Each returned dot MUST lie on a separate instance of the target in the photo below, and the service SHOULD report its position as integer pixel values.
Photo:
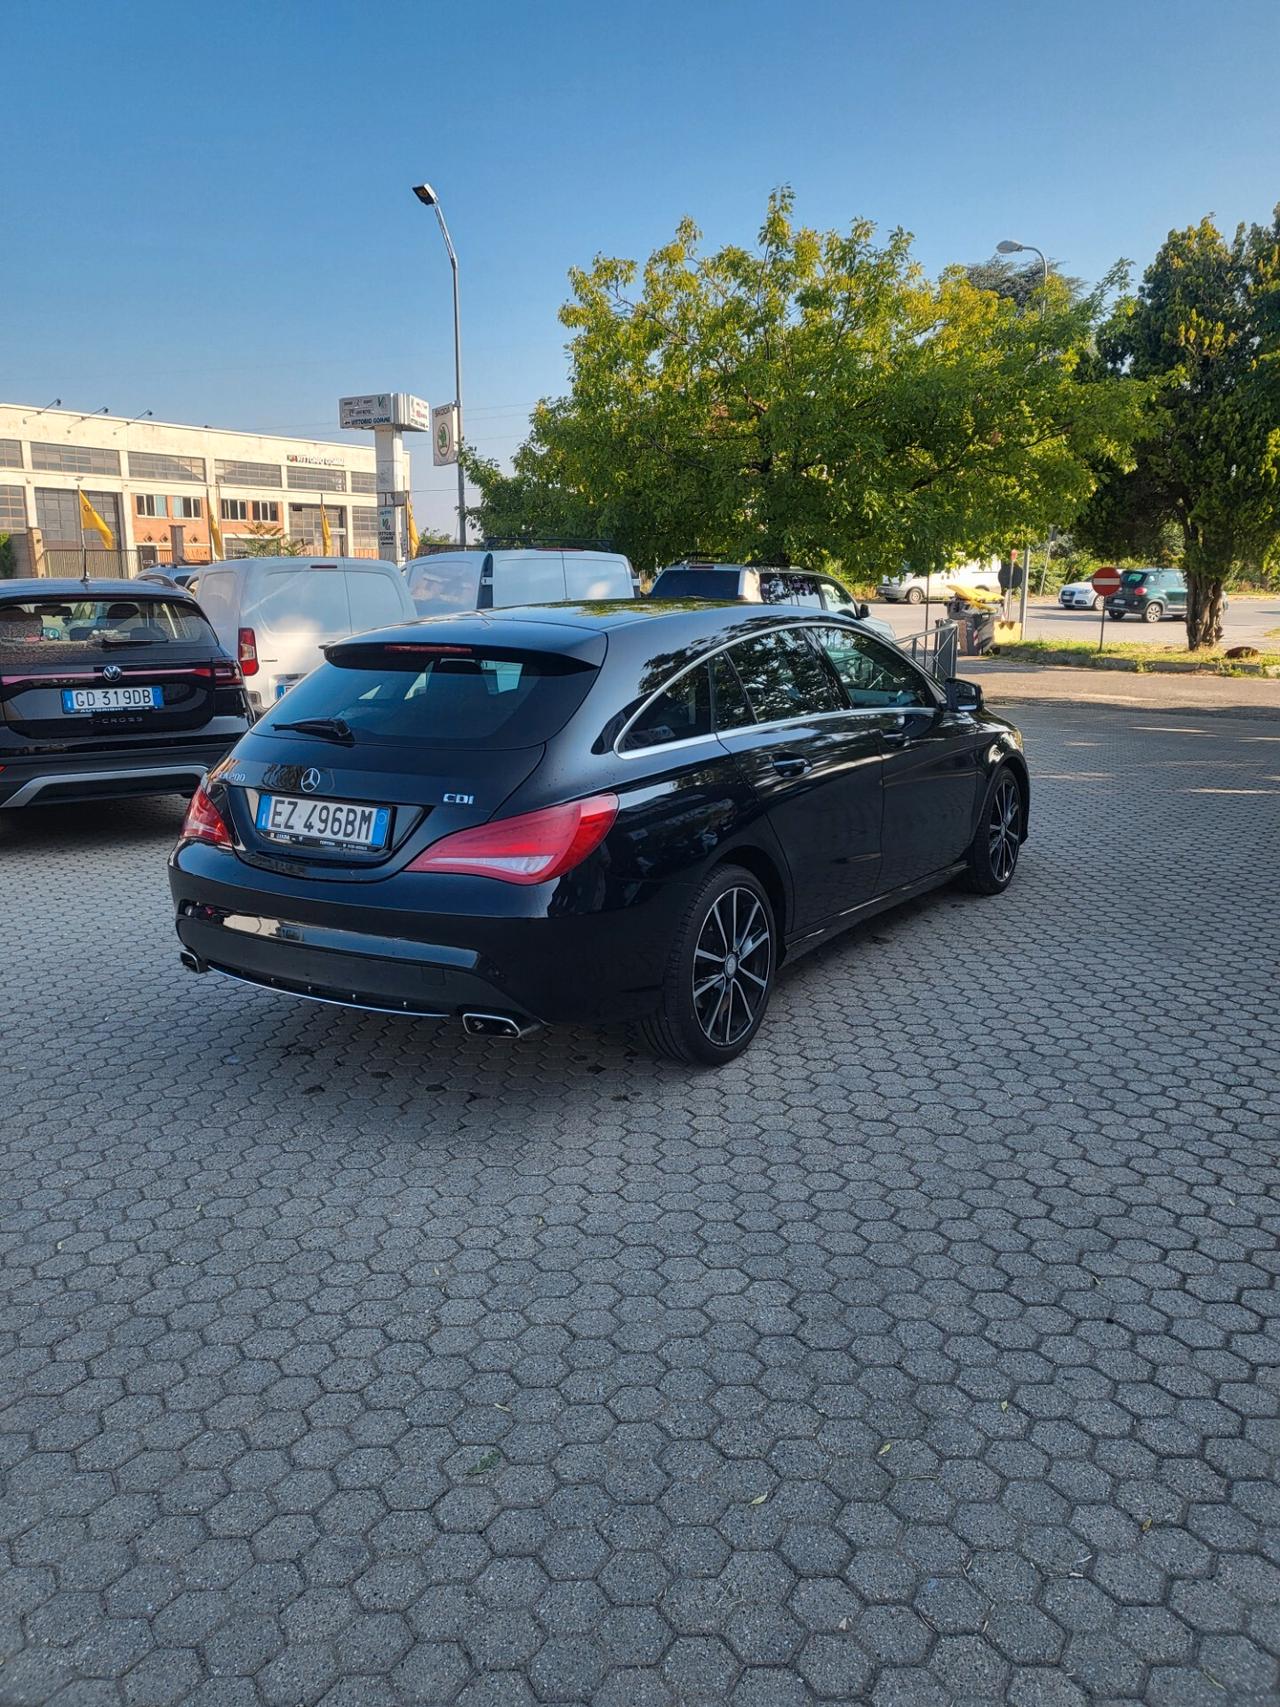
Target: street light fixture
(1008, 247)
(427, 196)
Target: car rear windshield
(49, 629)
(696, 584)
(1134, 577)
(459, 697)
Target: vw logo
(111, 672)
(310, 780)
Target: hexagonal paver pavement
(929, 1354)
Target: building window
(361, 482)
(265, 510)
(151, 465)
(249, 473)
(75, 459)
(364, 524)
(58, 518)
(305, 526)
(13, 510)
(10, 453)
(151, 504)
(235, 509)
(317, 479)
(188, 509)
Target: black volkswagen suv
(589, 813)
(110, 688)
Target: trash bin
(977, 631)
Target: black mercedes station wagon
(590, 813)
(110, 688)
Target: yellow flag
(413, 527)
(215, 532)
(326, 538)
(89, 518)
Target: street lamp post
(427, 196)
(1009, 247)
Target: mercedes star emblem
(311, 780)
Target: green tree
(1204, 488)
(1018, 282)
(263, 540)
(6, 556)
(816, 395)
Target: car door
(1174, 594)
(815, 765)
(930, 767)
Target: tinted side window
(872, 673)
(784, 676)
(681, 711)
(836, 596)
(732, 707)
(804, 591)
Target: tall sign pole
(389, 415)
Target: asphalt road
(927, 1356)
(1247, 624)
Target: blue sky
(207, 211)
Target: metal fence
(935, 649)
(70, 562)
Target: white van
(487, 580)
(275, 613)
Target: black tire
(915, 596)
(1153, 612)
(1117, 615)
(729, 910)
(993, 853)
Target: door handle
(895, 737)
(790, 764)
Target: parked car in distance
(1151, 594)
(595, 813)
(1079, 595)
(170, 577)
(276, 614)
(763, 586)
(491, 580)
(110, 688)
(912, 589)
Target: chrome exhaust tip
(192, 962)
(495, 1025)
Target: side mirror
(863, 612)
(963, 696)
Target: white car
(1079, 595)
(914, 589)
(276, 614)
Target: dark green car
(1150, 594)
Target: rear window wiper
(111, 640)
(327, 728)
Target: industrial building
(153, 483)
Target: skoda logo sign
(111, 672)
(311, 780)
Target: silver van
(275, 614)
(488, 580)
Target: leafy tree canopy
(1203, 334)
(814, 396)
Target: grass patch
(1084, 654)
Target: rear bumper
(63, 780)
(346, 943)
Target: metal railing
(934, 649)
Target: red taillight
(224, 670)
(204, 823)
(532, 848)
(248, 652)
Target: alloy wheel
(731, 966)
(1003, 825)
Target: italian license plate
(80, 702)
(322, 823)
